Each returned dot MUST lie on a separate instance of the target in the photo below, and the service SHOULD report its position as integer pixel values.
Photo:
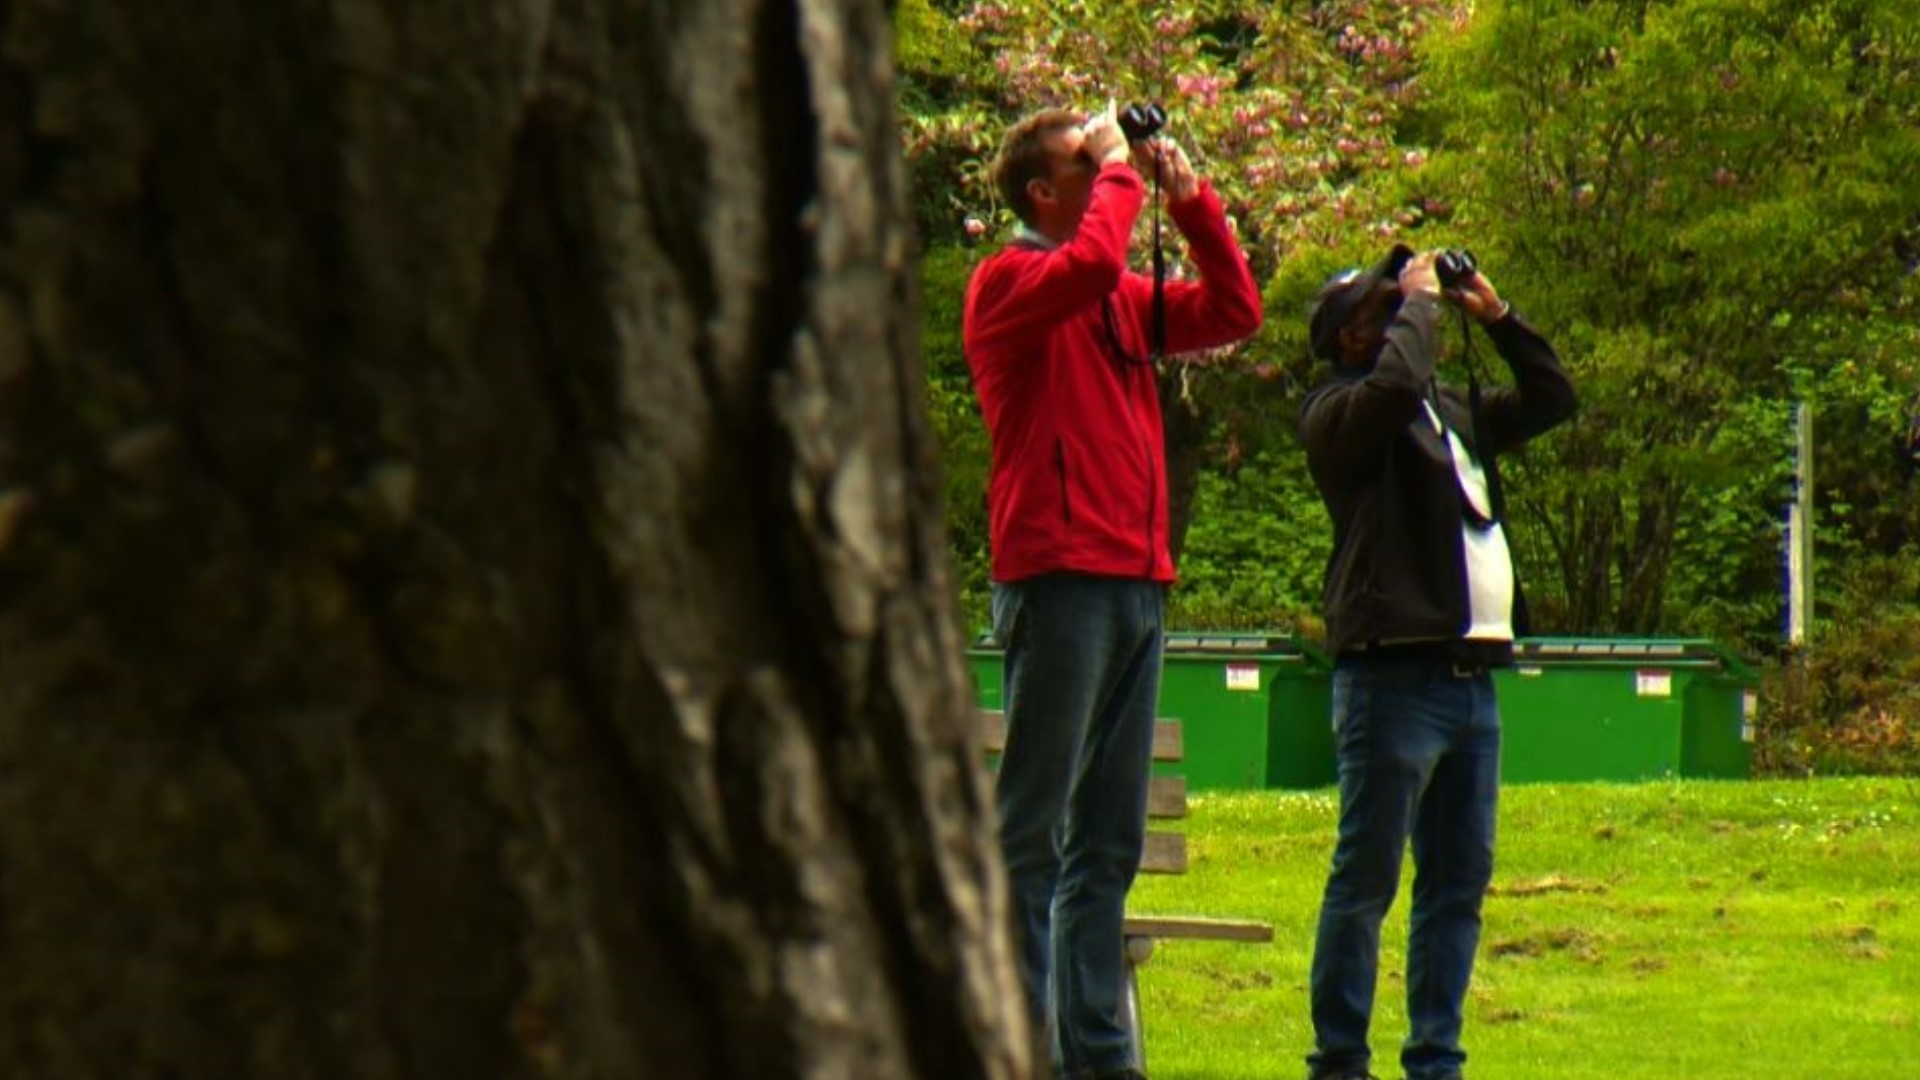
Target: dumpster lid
(1247, 643)
(1268, 644)
(1690, 651)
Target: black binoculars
(1142, 121)
(1455, 268)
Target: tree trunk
(472, 596)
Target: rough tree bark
(472, 597)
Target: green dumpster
(1253, 707)
(983, 661)
(1625, 709)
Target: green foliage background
(1710, 205)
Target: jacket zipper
(1145, 441)
(1060, 470)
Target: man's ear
(1040, 190)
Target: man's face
(1366, 328)
(1070, 172)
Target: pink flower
(975, 228)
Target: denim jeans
(1082, 685)
(1419, 758)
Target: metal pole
(1800, 532)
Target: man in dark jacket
(1057, 334)
(1421, 601)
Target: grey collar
(1026, 234)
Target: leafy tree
(1711, 203)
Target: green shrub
(1851, 704)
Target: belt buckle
(1466, 669)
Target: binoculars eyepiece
(1455, 268)
(1142, 121)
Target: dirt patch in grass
(1858, 942)
(1565, 939)
(1552, 883)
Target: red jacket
(1079, 474)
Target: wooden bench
(1165, 852)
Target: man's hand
(1104, 142)
(1418, 277)
(1164, 157)
(1480, 299)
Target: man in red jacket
(1058, 334)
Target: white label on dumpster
(1653, 682)
(1527, 671)
(1243, 676)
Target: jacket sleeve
(1541, 397)
(1031, 294)
(1350, 421)
(1224, 305)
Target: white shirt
(1489, 562)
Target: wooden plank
(993, 730)
(1167, 797)
(1168, 742)
(1165, 853)
(1196, 928)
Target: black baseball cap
(1333, 305)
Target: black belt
(1464, 659)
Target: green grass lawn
(1687, 930)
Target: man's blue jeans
(1082, 685)
(1419, 755)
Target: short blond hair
(1023, 157)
